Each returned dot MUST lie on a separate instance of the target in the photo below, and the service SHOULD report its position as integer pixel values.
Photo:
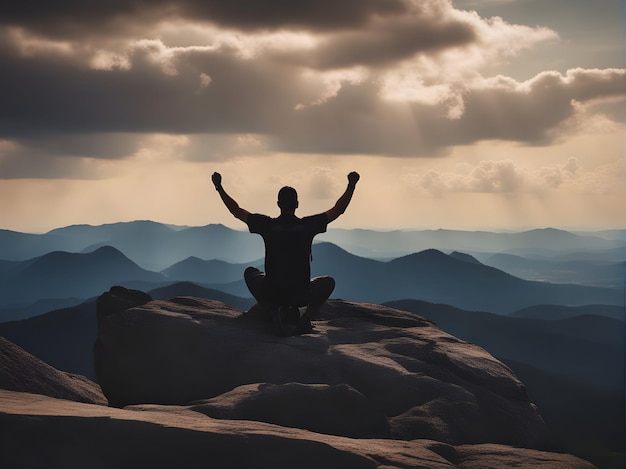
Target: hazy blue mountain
(191, 289)
(62, 338)
(58, 275)
(585, 420)
(156, 246)
(153, 246)
(609, 256)
(585, 272)
(439, 278)
(86, 235)
(430, 275)
(37, 308)
(7, 266)
(617, 235)
(208, 272)
(21, 246)
(464, 257)
(386, 244)
(554, 312)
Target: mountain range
(595, 271)
(59, 275)
(156, 246)
(153, 246)
(456, 279)
(545, 241)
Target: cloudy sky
(467, 114)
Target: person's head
(287, 199)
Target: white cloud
(509, 178)
(486, 177)
(554, 176)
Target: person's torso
(288, 241)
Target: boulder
(20, 371)
(118, 299)
(408, 379)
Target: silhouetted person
(286, 282)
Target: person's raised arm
(342, 203)
(232, 206)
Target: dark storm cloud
(389, 42)
(71, 18)
(61, 155)
(26, 166)
(42, 96)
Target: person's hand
(217, 179)
(353, 178)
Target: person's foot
(277, 321)
(283, 320)
(291, 315)
(304, 325)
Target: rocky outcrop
(322, 408)
(399, 374)
(119, 299)
(205, 385)
(20, 371)
(38, 431)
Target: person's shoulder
(258, 216)
(257, 220)
(317, 218)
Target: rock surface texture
(41, 432)
(368, 370)
(194, 383)
(20, 371)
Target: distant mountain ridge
(430, 275)
(156, 246)
(558, 312)
(213, 271)
(387, 244)
(58, 275)
(588, 272)
(433, 276)
(153, 246)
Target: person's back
(288, 240)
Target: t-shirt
(288, 241)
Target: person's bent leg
(254, 281)
(321, 289)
